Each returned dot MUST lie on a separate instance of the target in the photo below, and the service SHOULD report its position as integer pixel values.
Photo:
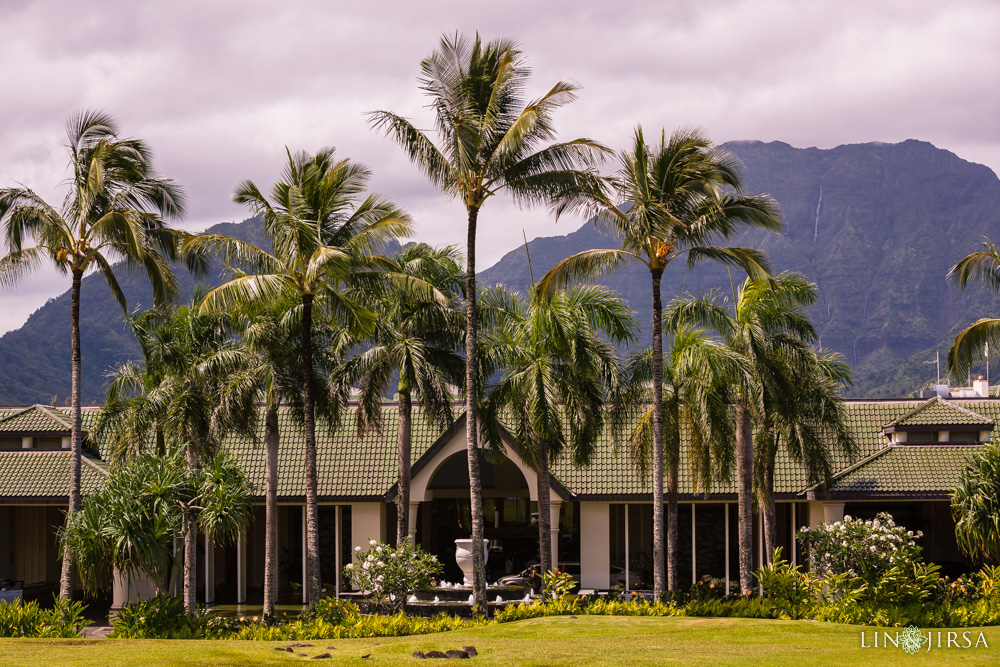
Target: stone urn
(463, 556)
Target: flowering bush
(28, 619)
(556, 584)
(791, 590)
(387, 575)
(865, 549)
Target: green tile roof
(35, 419)
(45, 474)
(906, 470)
(939, 412)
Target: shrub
(333, 611)
(790, 590)
(387, 575)
(28, 619)
(556, 584)
(160, 617)
(866, 549)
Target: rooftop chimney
(981, 387)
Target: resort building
(910, 453)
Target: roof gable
(938, 412)
(33, 474)
(35, 419)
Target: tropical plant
(388, 575)
(115, 210)
(414, 342)
(679, 197)
(697, 374)
(64, 619)
(973, 341)
(129, 526)
(323, 239)
(558, 362)
(975, 505)
(788, 393)
(490, 143)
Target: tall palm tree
(697, 375)
(490, 143)
(115, 210)
(323, 239)
(970, 343)
(558, 362)
(414, 342)
(676, 198)
(784, 394)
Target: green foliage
(28, 619)
(975, 505)
(331, 610)
(159, 617)
(866, 549)
(789, 589)
(388, 575)
(556, 584)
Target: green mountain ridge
(876, 226)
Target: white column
(815, 514)
(694, 552)
(26, 442)
(795, 559)
(554, 507)
(833, 512)
(627, 561)
(241, 569)
(338, 526)
(67, 442)
(727, 549)
(412, 531)
(305, 559)
(595, 551)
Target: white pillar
(209, 570)
(595, 551)
(833, 512)
(305, 559)
(367, 523)
(694, 552)
(67, 442)
(412, 531)
(241, 568)
(338, 526)
(795, 559)
(627, 561)
(815, 514)
(727, 549)
(554, 507)
(26, 442)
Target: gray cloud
(220, 88)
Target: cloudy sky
(218, 89)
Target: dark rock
(471, 650)
(331, 648)
(434, 654)
(301, 655)
(300, 645)
(573, 617)
(455, 654)
(419, 655)
(286, 649)
(321, 656)
(366, 656)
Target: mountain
(876, 226)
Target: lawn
(562, 640)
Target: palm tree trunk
(659, 581)
(544, 518)
(744, 483)
(271, 439)
(403, 433)
(673, 582)
(471, 419)
(190, 529)
(66, 576)
(767, 503)
(312, 587)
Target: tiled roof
(45, 474)
(939, 412)
(906, 470)
(35, 419)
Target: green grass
(561, 640)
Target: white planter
(463, 556)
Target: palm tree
(490, 144)
(415, 342)
(181, 408)
(115, 210)
(971, 342)
(697, 374)
(975, 505)
(323, 239)
(786, 393)
(675, 198)
(558, 361)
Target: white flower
(847, 518)
(349, 566)
(372, 543)
(357, 548)
(378, 549)
(366, 565)
(380, 564)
